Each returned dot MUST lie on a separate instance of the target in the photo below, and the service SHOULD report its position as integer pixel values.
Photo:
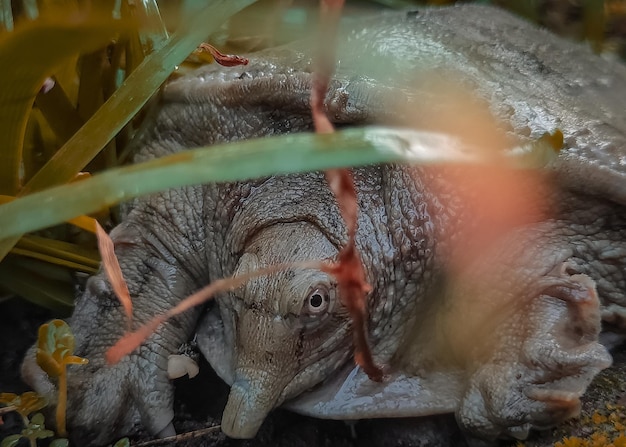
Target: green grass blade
(31, 11)
(154, 34)
(34, 254)
(6, 16)
(228, 162)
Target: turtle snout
(252, 397)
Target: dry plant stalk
(114, 272)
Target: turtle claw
(556, 398)
(552, 406)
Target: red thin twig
(227, 60)
(348, 270)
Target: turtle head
(290, 330)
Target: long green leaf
(229, 162)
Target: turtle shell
(398, 68)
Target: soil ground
(602, 412)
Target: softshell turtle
(508, 345)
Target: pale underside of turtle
(508, 341)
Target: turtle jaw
(252, 396)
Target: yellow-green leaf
(50, 40)
(61, 253)
(8, 398)
(24, 404)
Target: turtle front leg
(156, 246)
(529, 337)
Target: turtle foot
(546, 355)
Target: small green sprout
(55, 348)
(33, 431)
(124, 442)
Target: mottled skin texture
(509, 343)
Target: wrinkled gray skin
(510, 344)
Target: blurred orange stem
(62, 403)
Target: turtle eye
(317, 301)
(317, 306)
